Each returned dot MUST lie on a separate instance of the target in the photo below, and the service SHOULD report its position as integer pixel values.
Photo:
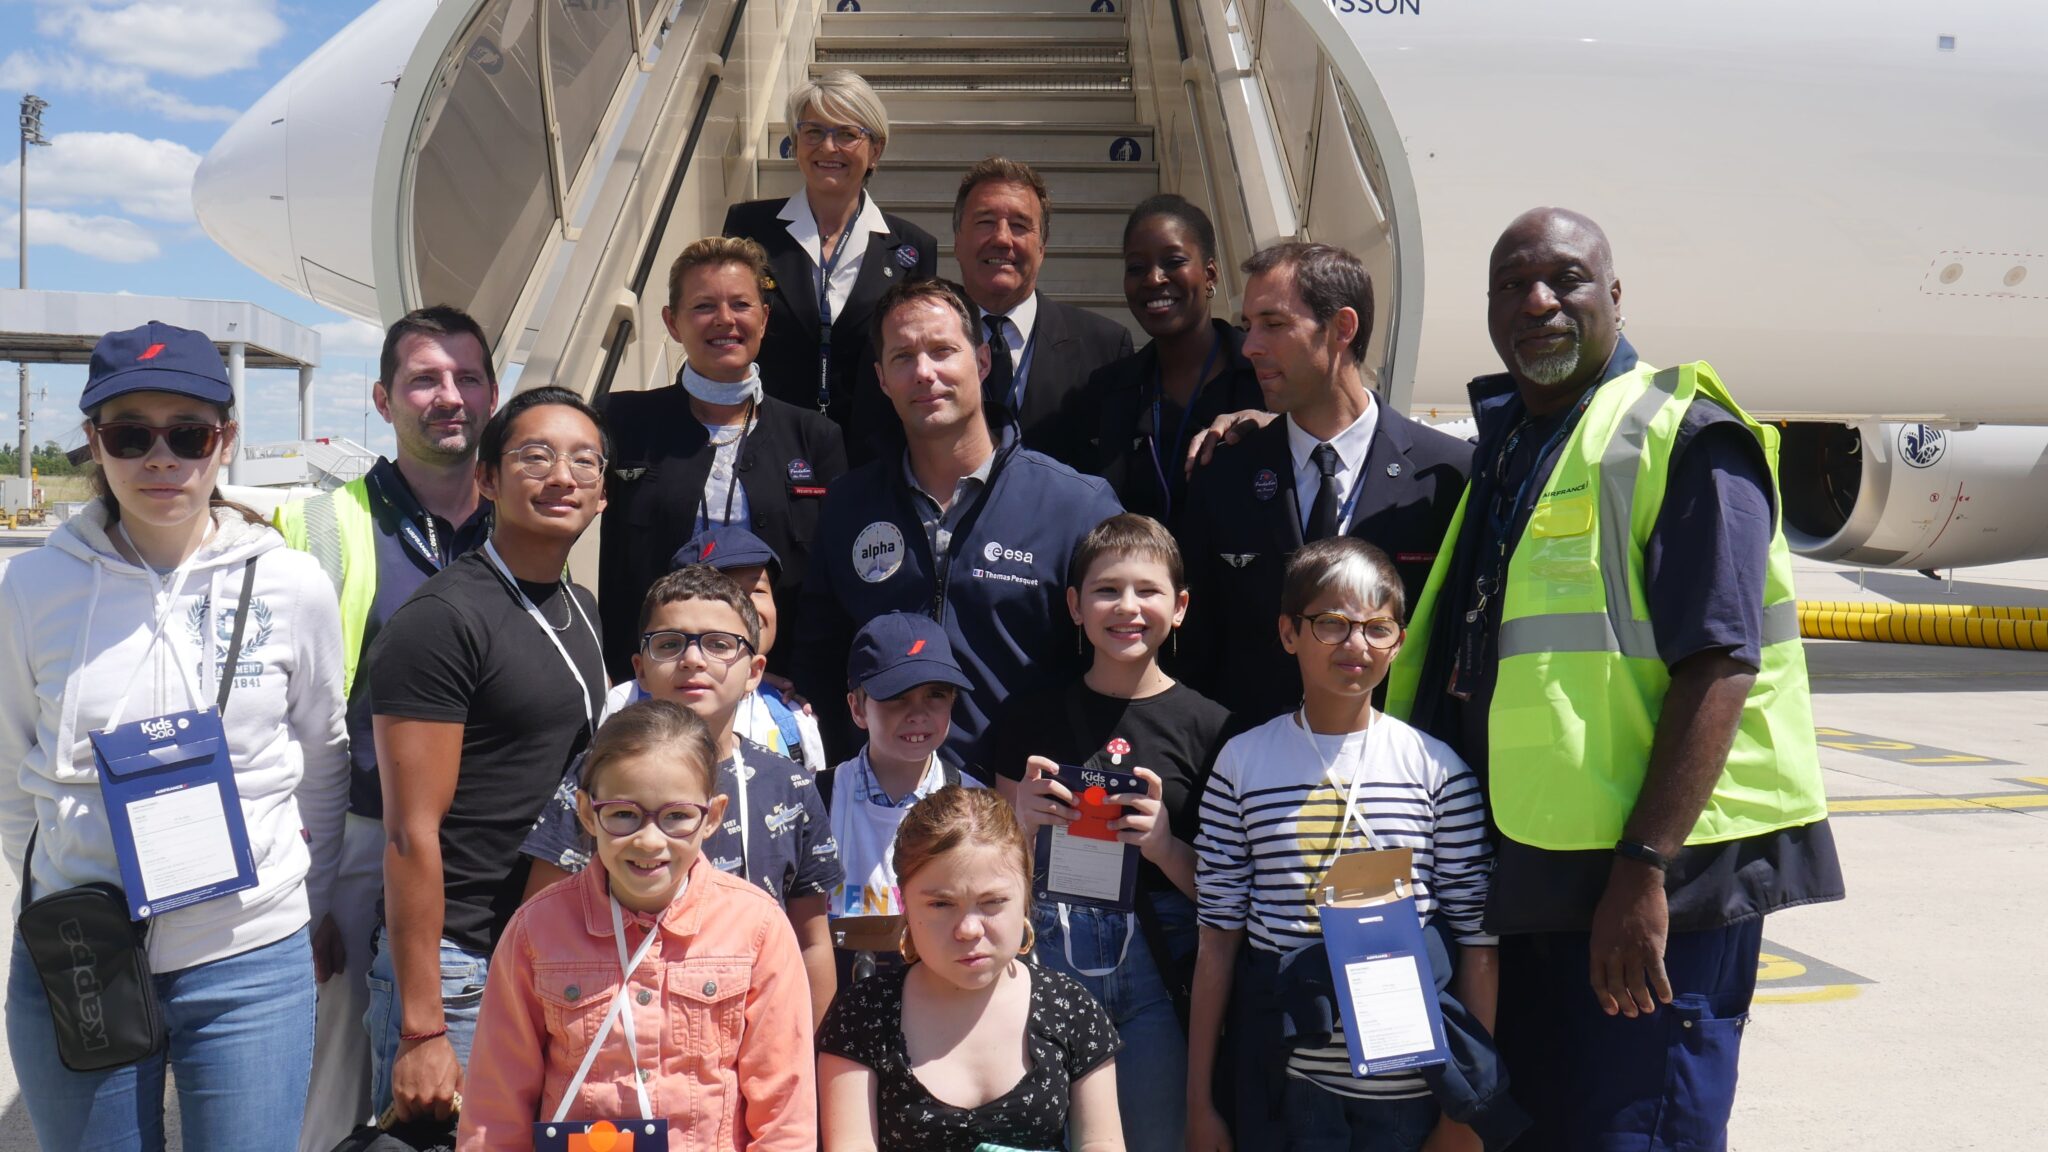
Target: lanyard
(1352, 815)
(739, 785)
(177, 581)
(1158, 432)
(533, 610)
(739, 446)
(826, 266)
(418, 534)
(1501, 520)
(1023, 374)
(618, 1010)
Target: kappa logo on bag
(85, 981)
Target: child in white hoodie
(127, 614)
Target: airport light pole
(31, 133)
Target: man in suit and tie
(1336, 461)
(1041, 351)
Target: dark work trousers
(1597, 1083)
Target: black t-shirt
(464, 650)
(1069, 1036)
(1176, 734)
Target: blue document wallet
(1386, 990)
(600, 1136)
(1084, 862)
(174, 811)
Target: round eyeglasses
(667, 647)
(813, 134)
(537, 462)
(1334, 628)
(623, 818)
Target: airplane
(1836, 204)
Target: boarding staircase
(1043, 82)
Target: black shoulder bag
(93, 960)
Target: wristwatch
(1639, 851)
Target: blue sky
(138, 91)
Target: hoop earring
(906, 947)
(1212, 291)
(1620, 322)
(1030, 939)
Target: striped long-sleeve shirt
(1273, 818)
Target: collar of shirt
(961, 491)
(1020, 322)
(1351, 444)
(869, 787)
(1497, 404)
(391, 490)
(803, 228)
(681, 918)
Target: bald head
(1553, 304)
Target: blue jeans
(1152, 1079)
(241, 1047)
(462, 999)
(1319, 1120)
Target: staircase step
(1053, 51)
(1104, 183)
(938, 11)
(1080, 224)
(997, 105)
(1033, 142)
(1084, 27)
(887, 75)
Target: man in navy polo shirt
(966, 526)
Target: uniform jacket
(1002, 598)
(1067, 345)
(659, 466)
(1122, 394)
(789, 353)
(1242, 522)
(721, 1010)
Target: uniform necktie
(1000, 371)
(1322, 515)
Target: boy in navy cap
(901, 682)
(765, 717)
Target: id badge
(1379, 964)
(174, 810)
(1084, 862)
(600, 1136)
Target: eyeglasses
(813, 134)
(623, 818)
(131, 440)
(537, 462)
(1334, 628)
(668, 647)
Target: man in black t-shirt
(483, 686)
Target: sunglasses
(623, 818)
(130, 440)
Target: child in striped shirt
(1277, 812)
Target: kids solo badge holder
(646, 1134)
(172, 803)
(1379, 962)
(1084, 862)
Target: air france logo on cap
(878, 551)
(799, 470)
(915, 648)
(710, 546)
(1265, 484)
(149, 353)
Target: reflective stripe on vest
(1581, 684)
(338, 531)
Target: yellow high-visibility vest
(338, 529)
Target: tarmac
(1909, 1016)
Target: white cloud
(147, 178)
(351, 338)
(110, 238)
(192, 40)
(67, 73)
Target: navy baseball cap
(897, 651)
(156, 358)
(726, 547)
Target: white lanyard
(533, 610)
(620, 1007)
(163, 620)
(739, 785)
(1067, 942)
(1351, 812)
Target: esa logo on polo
(994, 551)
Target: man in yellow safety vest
(1610, 639)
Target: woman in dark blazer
(710, 449)
(837, 130)
(1156, 400)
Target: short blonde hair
(845, 97)
(713, 251)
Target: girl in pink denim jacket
(716, 1014)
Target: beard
(1557, 367)
(415, 440)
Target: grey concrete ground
(1911, 1016)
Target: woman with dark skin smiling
(1155, 400)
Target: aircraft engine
(1915, 495)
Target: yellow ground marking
(1769, 967)
(1907, 805)
(1824, 994)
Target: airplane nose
(239, 191)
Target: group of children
(674, 959)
